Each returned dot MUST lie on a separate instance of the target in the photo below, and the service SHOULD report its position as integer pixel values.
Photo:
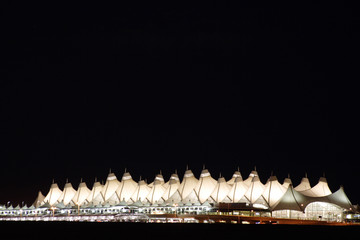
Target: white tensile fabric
(287, 182)
(67, 194)
(236, 174)
(141, 192)
(319, 190)
(304, 185)
(39, 199)
(110, 186)
(188, 184)
(173, 186)
(156, 191)
(339, 198)
(255, 190)
(273, 191)
(205, 186)
(95, 197)
(250, 178)
(126, 188)
(159, 178)
(81, 194)
(237, 190)
(53, 195)
(221, 190)
(292, 200)
(192, 198)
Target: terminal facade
(203, 195)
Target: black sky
(85, 89)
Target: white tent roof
(255, 190)
(141, 192)
(126, 188)
(95, 195)
(221, 190)
(173, 186)
(110, 186)
(174, 198)
(340, 199)
(319, 190)
(236, 174)
(53, 195)
(188, 184)
(192, 198)
(253, 174)
(68, 194)
(287, 182)
(292, 200)
(159, 177)
(237, 190)
(113, 199)
(205, 186)
(39, 199)
(304, 184)
(157, 190)
(273, 191)
(81, 194)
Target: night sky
(87, 88)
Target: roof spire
(140, 178)
(187, 167)
(306, 174)
(80, 180)
(125, 170)
(109, 170)
(67, 180)
(95, 179)
(203, 166)
(238, 169)
(220, 175)
(160, 172)
(255, 167)
(53, 181)
(175, 171)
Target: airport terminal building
(193, 196)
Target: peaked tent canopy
(236, 174)
(292, 200)
(68, 194)
(205, 186)
(221, 190)
(53, 195)
(237, 190)
(39, 199)
(95, 195)
(338, 198)
(81, 194)
(287, 182)
(126, 188)
(141, 192)
(253, 174)
(255, 189)
(319, 190)
(188, 184)
(273, 191)
(110, 186)
(304, 184)
(157, 190)
(173, 186)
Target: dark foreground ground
(77, 230)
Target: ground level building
(199, 196)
